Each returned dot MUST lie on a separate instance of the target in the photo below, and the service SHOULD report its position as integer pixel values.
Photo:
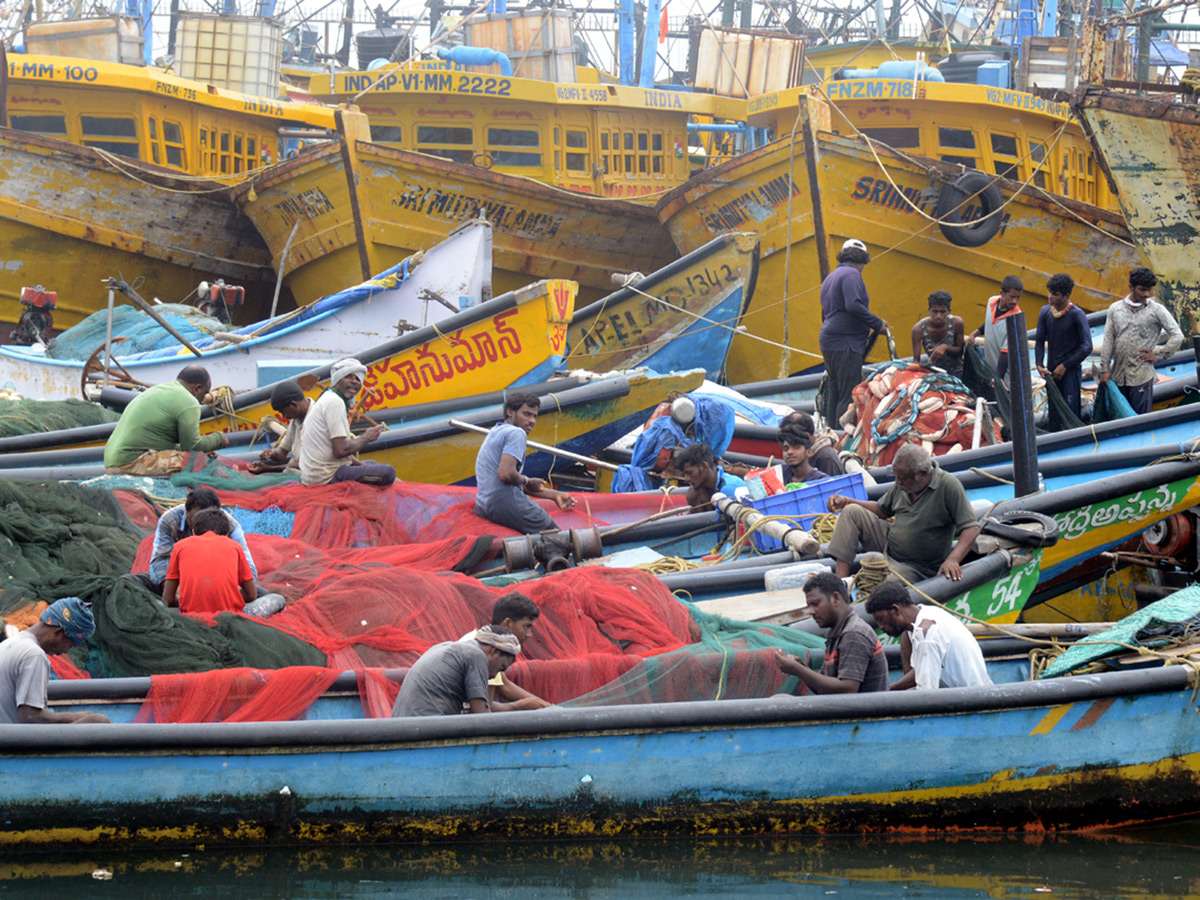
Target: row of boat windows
(222, 151)
(958, 145)
(630, 154)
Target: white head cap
(855, 244)
(683, 410)
(344, 367)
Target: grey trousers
(859, 530)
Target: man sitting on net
(453, 673)
(930, 508)
(289, 401)
(328, 452)
(516, 613)
(209, 573)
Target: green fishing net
(36, 416)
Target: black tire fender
(1004, 527)
(953, 200)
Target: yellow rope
(668, 564)
(126, 168)
(874, 571)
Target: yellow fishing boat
(904, 207)
(114, 169)
(566, 173)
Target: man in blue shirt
(700, 470)
(847, 324)
(503, 492)
(176, 524)
(1064, 327)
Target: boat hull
(1087, 752)
(409, 201)
(69, 220)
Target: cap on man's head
(855, 244)
(73, 616)
(344, 367)
(285, 393)
(505, 642)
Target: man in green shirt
(160, 427)
(930, 508)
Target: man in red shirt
(208, 572)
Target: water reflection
(1149, 863)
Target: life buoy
(1170, 536)
(953, 200)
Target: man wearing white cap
(327, 448)
(846, 327)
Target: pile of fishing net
(135, 330)
(900, 404)
(21, 416)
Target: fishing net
(1060, 416)
(1110, 404)
(20, 416)
(899, 404)
(137, 330)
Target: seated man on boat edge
(25, 666)
(936, 648)
(161, 427)
(209, 573)
(176, 524)
(700, 470)
(824, 455)
(930, 508)
(854, 661)
(328, 449)
(453, 673)
(797, 460)
(503, 492)
(289, 401)
(516, 613)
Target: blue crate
(804, 504)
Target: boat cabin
(1002, 132)
(595, 138)
(150, 115)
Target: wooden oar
(565, 454)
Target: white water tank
(240, 53)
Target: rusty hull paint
(416, 199)
(911, 257)
(1151, 151)
(64, 209)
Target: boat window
(252, 160)
(629, 167)
(1005, 156)
(115, 134)
(513, 137)
(901, 138)
(239, 157)
(957, 138)
(38, 124)
(435, 138)
(153, 129)
(578, 140)
(1037, 153)
(385, 134)
(225, 167)
(173, 143)
(656, 148)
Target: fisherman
(161, 427)
(847, 324)
(700, 470)
(209, 573)
(176, 524)
(289, 401)
(454, 673)
(824, 454)
(25, 666)
(1063, 328)
(940, 335)
(328, 452)
(854, 660)
(995, 329)
(797, 457)
(503, 493)
(1131, 340)
(518, 614)
(936, 646)
(930, 507)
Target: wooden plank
(768, 607)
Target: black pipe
(1024, 434)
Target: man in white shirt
(942, 652)
(327, 449)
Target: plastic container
(805, 504)
(788, 578)
(239, 53)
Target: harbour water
(1147, 863)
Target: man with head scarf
(25, 666)
(454, 673)
(161, 427)
(289, 401)
(328, 450)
